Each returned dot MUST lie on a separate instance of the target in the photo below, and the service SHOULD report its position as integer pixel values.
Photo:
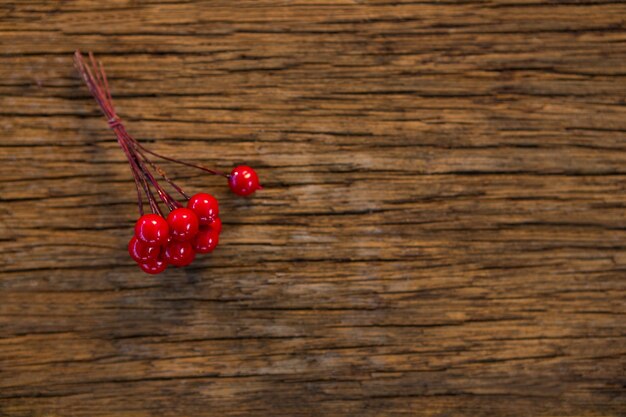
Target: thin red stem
(178, 161)
(169, 201)
(163, 174)
(96, 80)
(136, 172)
(97, 83)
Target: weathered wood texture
(443, 230)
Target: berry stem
(137, 173)
(167, 199)
(98, 85)
(95, 78)
(162, 173)
(178, 161)
(136, 177)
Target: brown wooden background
(443, 230)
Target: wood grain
(442, 230)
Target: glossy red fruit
(183, 224)
(152, 229)
(206, 240)
(205, 206)
(142, 251)
(179, 253)
(243, 180)
(216, 225)
(153, 266)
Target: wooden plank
(441, 230)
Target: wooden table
(442, 231)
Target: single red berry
(216, 225)
(206, 240)
(243, 180)
(205, 206)
(183, 224)
(152, 229)
(179, 253)
(142, 251)
(153, 266)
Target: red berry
(205, 206)
(153, 266)
(152, 228)
(243, 180)
(206, 240)
(183, 224)
(142, 251)
(179, 253)
(216, 225)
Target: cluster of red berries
(159, 242)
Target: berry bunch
(176, 240)
(162, 239)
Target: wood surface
(442, 233)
